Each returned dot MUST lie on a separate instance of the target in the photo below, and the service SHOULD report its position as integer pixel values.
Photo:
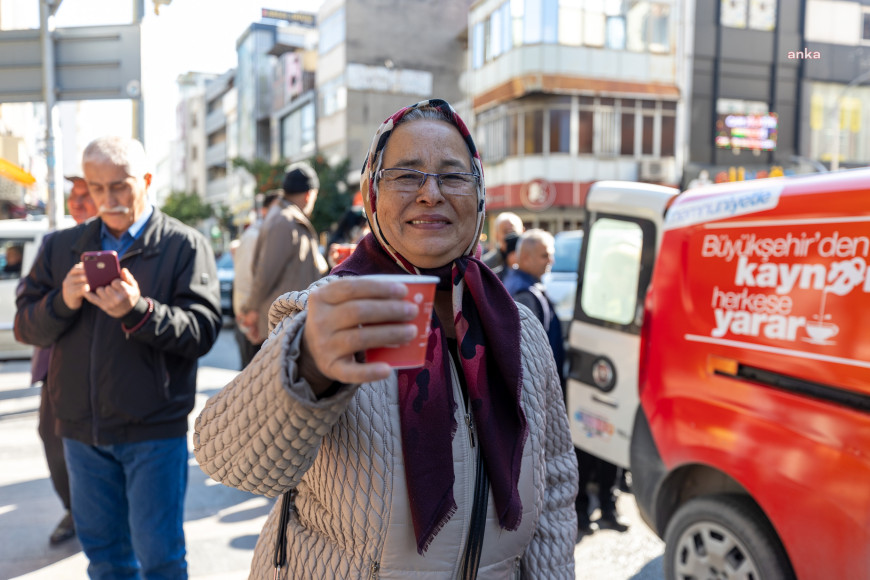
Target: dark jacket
(528, 291)
(108, 386)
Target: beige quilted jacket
(266, 433)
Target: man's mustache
(118, 209)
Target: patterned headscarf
(487, 326)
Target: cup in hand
(421, 291)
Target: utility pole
(47, 8)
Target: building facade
(569, 92)
(373, 60)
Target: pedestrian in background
(243, 259)
(534, 256)
(122, 374)
(505, 223)
(439, 471)
(287, 255)
(81, 208)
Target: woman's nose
(430, 191)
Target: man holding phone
(122, 375)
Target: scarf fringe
(430, 537)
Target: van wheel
(723, 537)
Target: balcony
(216, 155)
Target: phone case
(101, 268)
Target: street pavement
(221, 524)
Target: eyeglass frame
(437, 176)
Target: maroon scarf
(487, 332)
(487, 326)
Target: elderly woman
(461, 468)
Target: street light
(835, 155)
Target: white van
(18, 238)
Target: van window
(11, 258)
(612, 269)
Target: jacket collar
(147, 244)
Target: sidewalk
(221, 524)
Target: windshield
(567, 254)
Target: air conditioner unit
(659, 170)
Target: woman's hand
(348, 316)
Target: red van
(734, 381)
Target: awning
(15, 173)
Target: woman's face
(428, 228)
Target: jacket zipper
(470, 422)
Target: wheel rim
(708, 551)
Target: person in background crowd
(384, 463)
(122, 373)
(81, 205)
(509, 256)
(350, 230)
(534, 256)
(81, 208)
(243, 258)
(505, 223)
(14, 257)
(286, 256)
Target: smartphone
(101, 268)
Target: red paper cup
(343, 252)
(421, 291)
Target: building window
(478, 45)
(669, 128)
(754, 14)
(594, 23)
(627, 128)
(297, 132)
(865, 29)
(513, 134)
(533, 132)
(571, 22)
(560, 131)
(332, 31)
(838, 114)
(586, 126)
(333, 96)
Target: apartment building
(569, 92)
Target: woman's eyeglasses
(401, 180)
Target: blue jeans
(128, 507)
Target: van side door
(615, 268)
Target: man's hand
(247, 322)
(75, 286)
(351, 315)
(118, 298)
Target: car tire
(722, 537)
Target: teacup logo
(418, 298)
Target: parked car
(561, 280)
(19, 238)
(226, 276)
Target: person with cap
(287, 256)
(81, 208)
(81, 205)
